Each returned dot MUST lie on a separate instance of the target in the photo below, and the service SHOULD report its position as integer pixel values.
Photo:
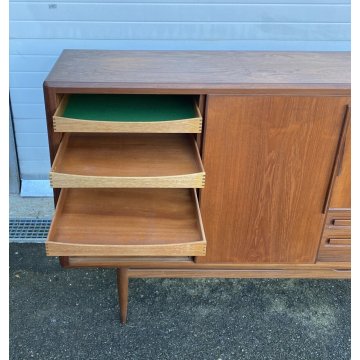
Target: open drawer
(128, 113)
(127, 161)
(127, 222)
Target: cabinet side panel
(268, 162)
(51, 102)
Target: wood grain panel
(188, 263)
(336, 231)
(342, 222)
(199, 71)
(52, 101)
(335, 248)
(270, 160)
(337, 224)
(338, 217)
(340, 241)
(243, 274)
(175, 126)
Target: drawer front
(339, 241)
(335, 249)
(338, 217)
(342, 222)
(336, 240)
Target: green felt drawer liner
(130, 108)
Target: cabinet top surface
(210, 71)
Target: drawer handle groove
(341, 222)
(338, 242)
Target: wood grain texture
(199, 71)
(337, 215)
(175, 126)
(341, 194)
(338, 241)
(338, 222)
(336, 238)
(123, 292)
(52, 101)
(308, 74)
(126, 222)
(270, 159)
(336, 248)
(174, 262)
(343, 222)
(336, 231)
(64, 124)
(233, 274)
(127, 161)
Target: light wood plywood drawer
(128, 113)
(127, 222)
(128, 161)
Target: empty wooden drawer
(128, 161)
(128, 113)
(127, 222)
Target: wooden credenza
(200, 164)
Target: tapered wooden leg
(123, 286)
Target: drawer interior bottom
(127, 222)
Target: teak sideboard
(200, 164)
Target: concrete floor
(73, 314)
(30, 207)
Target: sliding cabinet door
(268, 163)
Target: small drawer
(335, 249)
(336, 231)
(338, 218)
(337, 224)
(336, 240)
(128, 113)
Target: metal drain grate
(27, 229)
